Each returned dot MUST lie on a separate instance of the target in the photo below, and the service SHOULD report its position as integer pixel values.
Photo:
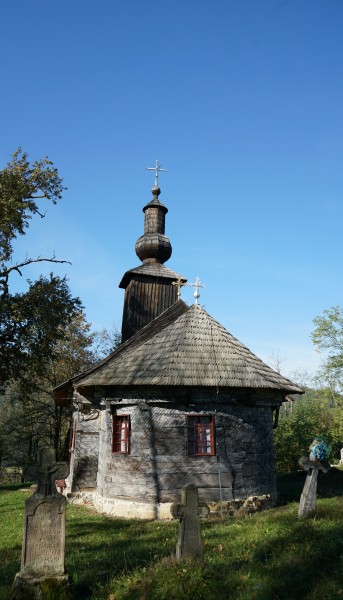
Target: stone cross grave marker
(189, 511)
(313, 464)
(44, 529)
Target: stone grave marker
(316, 462)
(189, 511)
(42, 565)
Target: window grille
(200, 435)
(121, 433)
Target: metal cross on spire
(179, 283)
(157, 168)
(197, 284)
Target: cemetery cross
(189, 511)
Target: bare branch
(5, 273)
(42, 215)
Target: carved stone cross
(196, 286)
(308, 497)
(179, 283)
(42, 560)
(189, 511)
(46, 473)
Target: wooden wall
(158, 466)
(145, 299)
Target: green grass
(269, 556)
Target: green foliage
(30, 324)
(317, 412)
(21, 185)
(328, 336)
(44, 338)
(271, 555)
(29, 417)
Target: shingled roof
(153, 269)
(184, 346)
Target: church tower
(150, 288)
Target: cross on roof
(46, 472)
(157, 168)
(179, 284)
(196, 286)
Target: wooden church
(179, 401)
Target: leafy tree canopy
(21, 185)
(30, 322)
(328, 336)
(30, 325)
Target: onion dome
(153, 246)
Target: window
(121, 433)
(200, 435)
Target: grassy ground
(269, 556)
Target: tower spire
(153, 246)
(151, 288)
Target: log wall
(145, 299)
(158, 466)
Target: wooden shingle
(185, 346)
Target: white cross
(197, 285)
(157, 168)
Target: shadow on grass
(291, 486)
(14, 487)
(276, 556)
(97, 551)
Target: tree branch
(5, 273)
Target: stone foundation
(128, 508)
(241, 508)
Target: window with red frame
(121, 433)
(200, 435)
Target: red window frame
(121, 434)
(200, 435)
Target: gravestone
(42, 565)
(316, 462)
(189, 511)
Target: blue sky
(241, 101)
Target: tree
(30, 325)
(29, 417)
(30, 322)
(105, 342)
(328, 336)
(21, 185)
(315, 413)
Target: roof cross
(179, 284)
(197, 284)
(157, 168)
